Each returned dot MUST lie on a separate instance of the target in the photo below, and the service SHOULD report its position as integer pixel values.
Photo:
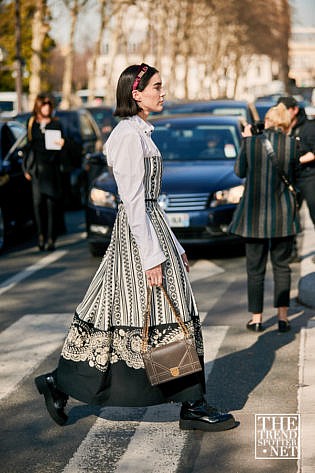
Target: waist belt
(146, 200)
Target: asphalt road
(247, 374)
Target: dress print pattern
(107, 326)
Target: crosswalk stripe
(26, 343)
(11, 282)
(203, 269)
(156, 439)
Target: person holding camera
(304, 129)
(267, 216)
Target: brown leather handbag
(172, 360)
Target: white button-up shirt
(126, 148)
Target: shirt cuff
(153, 261)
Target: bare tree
(213, 40)
(103, 5)
(74, 7)
(18, 56)
(40, 28)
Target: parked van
(9, 104)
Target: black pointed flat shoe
(55, 400)
(255, 327)
(284, 326)
(50, 246)
(199, 416)
(41, 243)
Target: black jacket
(305, 130)
(43, 164)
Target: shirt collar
(141, 124)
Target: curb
(307, 290)
(306, 286)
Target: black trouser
(306, 184)
(45, 212)
(257, 250)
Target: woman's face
(46, 108)
(151, 99)
(269, 123)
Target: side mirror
(97, 158)
(94, 165)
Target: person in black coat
(304, 129)
(42, 168)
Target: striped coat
(267, 208)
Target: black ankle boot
(55, 400)
(50, 245)
(198, 415)
(41, 242)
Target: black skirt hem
(123, 386)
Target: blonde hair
(279, 117)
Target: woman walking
(101, 360)
(267, 215)
(42, 168)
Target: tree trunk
(69, 60)
(39, 31)
(97, 50)
(18, 58)
(285, 31)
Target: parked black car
(103, 115)
(262, 107)
(83, 137)
(226, 107)
(199, 189)
(16, 206)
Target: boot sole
(199, 425)
(42, 387)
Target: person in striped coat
(267, 216)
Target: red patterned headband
(142, 70)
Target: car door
(16, 206)
(91, 136)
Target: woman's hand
(27, 176)
(307, 158)
(154, 275)
(185, 261)
(247, 131)
(60, 142)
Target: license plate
(178, 220)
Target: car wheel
(2, 230)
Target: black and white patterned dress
(105, 337)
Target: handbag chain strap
(145, 333)
(273, 158)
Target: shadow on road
(236, 375)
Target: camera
(257, 128)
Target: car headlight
(102, 198)
(227, 196)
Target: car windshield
(200, 142)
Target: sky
(303, 13)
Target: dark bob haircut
(126, 106)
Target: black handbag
(170, 361)
(28, 164)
